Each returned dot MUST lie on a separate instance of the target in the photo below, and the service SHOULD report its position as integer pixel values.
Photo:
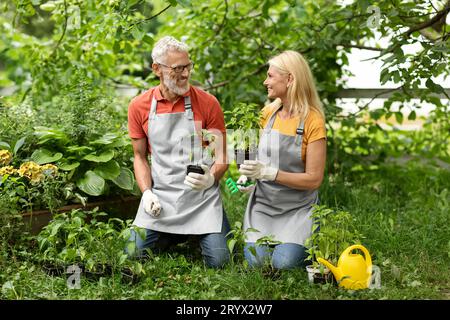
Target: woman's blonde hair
(302, 93)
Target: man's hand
(151, 203)
(200, 181)
(258, 170)
(241, 185)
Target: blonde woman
(290, 165)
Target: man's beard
(171, 84)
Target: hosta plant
(90, 166)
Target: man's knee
(139, 243)
(218, 258)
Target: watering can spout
(336, 272)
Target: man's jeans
(281, 256)
(213, 245)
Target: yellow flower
(7, 170)
(49, 169)
(32, 171)
(5, 157)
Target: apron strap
(269, 125)
(153, 109)
(299, 132)
(188, 107)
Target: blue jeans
(281, 256)
(213, 245)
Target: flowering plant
(31, 185)
(5, 157)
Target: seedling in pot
(210, 151)
(332, 232)
(244, 122)
(194, 168)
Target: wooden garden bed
(121, 207)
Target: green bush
(82, 237)
(332, 232)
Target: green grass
(403, 212)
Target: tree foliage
(231, 41)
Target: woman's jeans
(281, 256)
(213, 245)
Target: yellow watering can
(352, 271)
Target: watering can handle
(363, 249)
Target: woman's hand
(258, 170)
(241, 185)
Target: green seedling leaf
(231, 243)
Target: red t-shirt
(205, 107)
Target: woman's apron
(275, 209)
(183, 210)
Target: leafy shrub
(333, 231)
(32, 187)
(81, 237)
(89, 165)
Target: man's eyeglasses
(179, 69)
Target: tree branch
(224, 20)
(419, 27)
(364, 107)
(360, 47)
(339, 20)
(44, 63)
(224, 83)
(147, 19)
(430, 22)
(66, 18)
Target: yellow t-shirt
(314, 128)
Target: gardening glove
(151, 203)
(241, 182)
(200, 181)
(258, 170)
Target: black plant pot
(242, 155)
(54, 270)
(194, 168)
(316, 277)
(129, 276)
(101, 270)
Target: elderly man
(174, 204)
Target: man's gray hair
(164, 45)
